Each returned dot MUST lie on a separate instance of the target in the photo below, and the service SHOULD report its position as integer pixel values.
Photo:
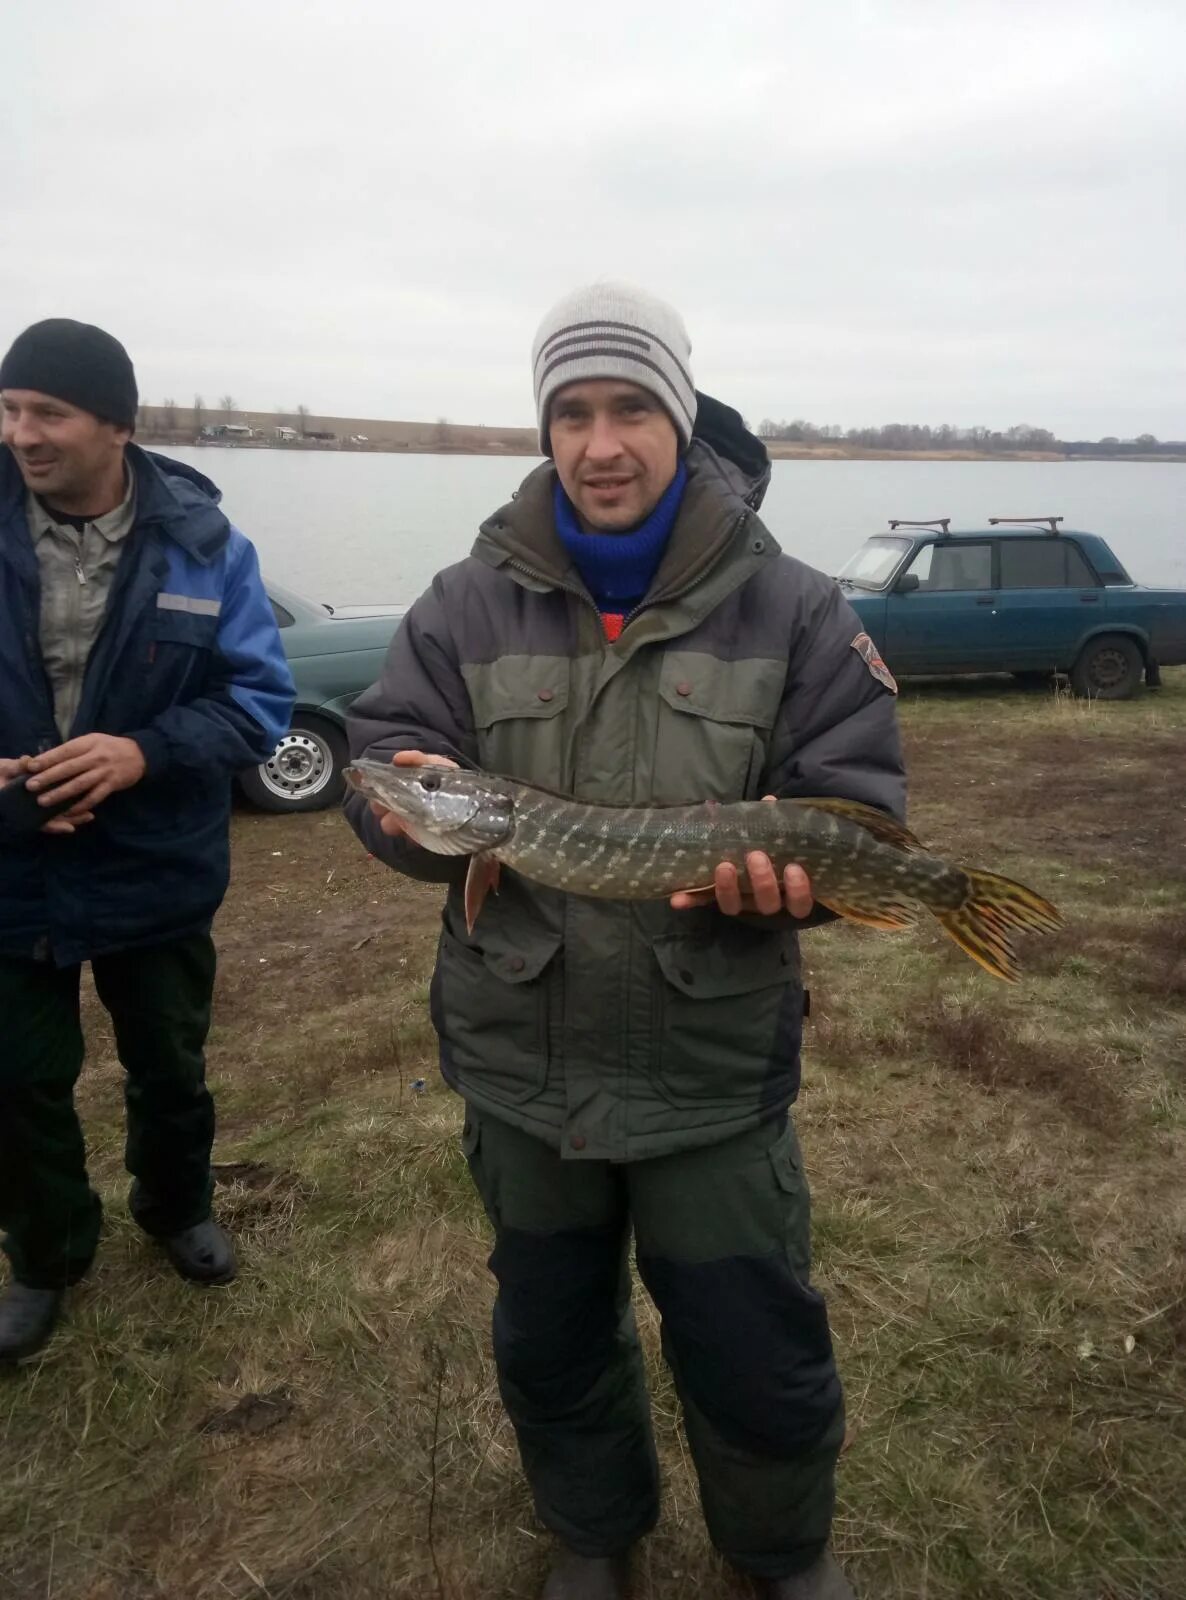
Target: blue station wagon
(1024, 596)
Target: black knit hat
(75, 362)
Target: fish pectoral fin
(870, 916)
(879, 823)
(481, 876)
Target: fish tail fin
(993, 907)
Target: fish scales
(862, 864)
(636, 853)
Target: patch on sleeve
(867, 651)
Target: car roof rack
(942, 523)
(1052, 522)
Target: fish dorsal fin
(882, 826)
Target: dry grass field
(1000, 1214)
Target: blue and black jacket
(188, 663)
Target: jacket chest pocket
(172, 651)
(179, 635)
(491, 1008)
(728, 1018)
(713, 727)
(518, 705)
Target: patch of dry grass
(1000, 1224)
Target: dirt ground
(999, 1217)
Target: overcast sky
(867, 210)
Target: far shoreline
(161, 427)
(776, 451)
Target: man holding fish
(626, 632)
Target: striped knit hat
(612, 330)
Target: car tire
(1109, 667)
(304, 772)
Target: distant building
(227, 430)
(287, 435)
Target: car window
(284, 619)
(874, 561)
(953, 566)
(1043, 564)
(1079, 574)
(920, 567)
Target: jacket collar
(171, 497)
(728, 472)
(113, 525)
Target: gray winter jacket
(610, 1029)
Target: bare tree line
(922, 436)
(168, 419)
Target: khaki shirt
(77, 571)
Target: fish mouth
(362, 782)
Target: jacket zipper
(678, 594)
(77, 666)
(675, 594)
(555, 583)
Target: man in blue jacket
(140, 667)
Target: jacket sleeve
(836, 733)
(246, 706)
(419, 703)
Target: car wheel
(304, 772)
(1108, 668)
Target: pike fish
(862, 864)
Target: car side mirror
(907, 583)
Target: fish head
(447, 810)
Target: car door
(945, 624)
(1048, 599)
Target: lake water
(352, 529)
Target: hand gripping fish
(862, 864)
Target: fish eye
(430, 780)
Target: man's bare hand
(389, 823)
(765, 894)
(66, 822)
(85, 770)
